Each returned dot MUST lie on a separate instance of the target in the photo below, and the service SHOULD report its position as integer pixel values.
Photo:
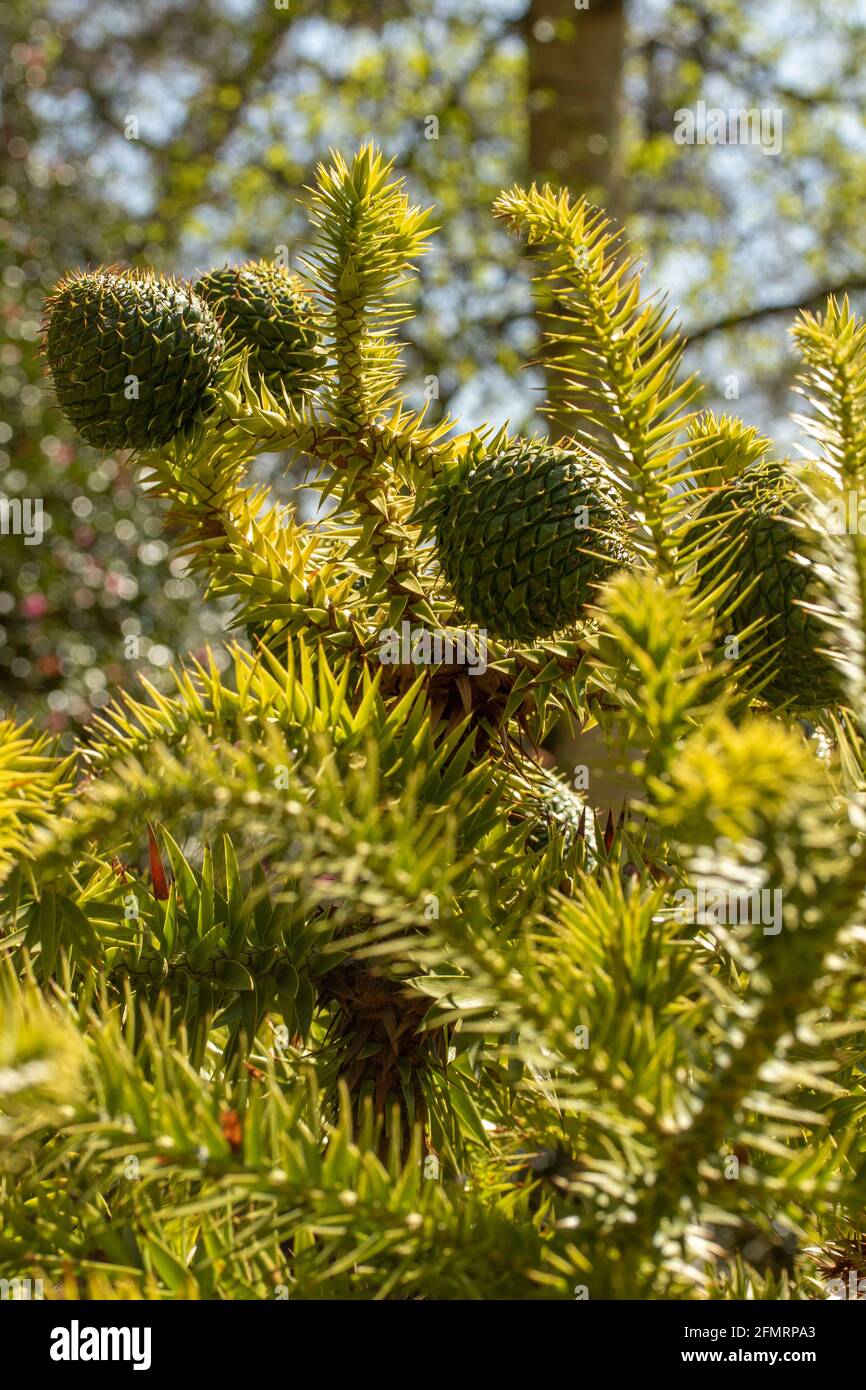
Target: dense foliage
(316, 983)
(176, 133)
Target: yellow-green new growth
(614, 357)
(368, 238)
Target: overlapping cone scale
(525, 536)
(265, 308)
(132, 355)
(751, 545)
(555, 811)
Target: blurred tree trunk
(575, 78)
(575, 59)
(575, 62)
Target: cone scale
(266, 309)
(749, 523)
(132, 355)
(525, 536)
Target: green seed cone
(132, 355)
(265, 308)
(524, 537)
(745, 527)
(556, 812)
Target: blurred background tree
(179, 134)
